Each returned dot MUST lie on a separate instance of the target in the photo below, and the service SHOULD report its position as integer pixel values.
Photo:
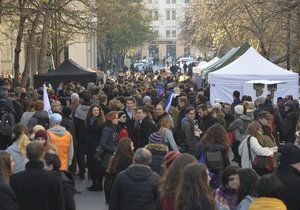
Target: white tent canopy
(204, 64)
(250, 66)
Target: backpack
(212, 159)
(42, 121)
(7, 123)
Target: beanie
(170, 157)
(55, 118)
(41, 134)
(239, 109)
(155, 138)
(147, 99)
(289, 154)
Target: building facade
(167, 17)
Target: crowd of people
(149, 142)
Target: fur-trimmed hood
(157, 147)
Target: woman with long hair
(119, 161)
(167, 135)
(170, 180)
(7, 196)
(194, 192)
(247, 190)
(18, 148)
(95, 120)
(215, 148)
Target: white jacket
(255, 149)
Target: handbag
(99, 153)
(261, 164)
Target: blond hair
(22, 142)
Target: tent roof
(253, 64)
(69, 67)
(228, 58)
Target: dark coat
(39, 116)
(95, 132)
(109, 142)
(130, 126)
(144, 131)
(290, 123)
(68, 184)
(135, 189)
(158, 152)
(8, 200)
(81, 130)
(187, 137)
(207, 122)
(37, 188)
(290, 178)
(68, 123)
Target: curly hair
(248, 180)
(216, 134)
(193, 188)
(170, 181)
(100, 117)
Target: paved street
(89, 200)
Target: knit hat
(239, 109)
(155, 138)
(267, 203)
(170, 157)
(289, 154)
(264, 114)
(41, 134)
(147, 99)
(35, 129)
(55, 118)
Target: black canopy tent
(68, 71)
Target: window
(173, 15)
(168, 1)
(156, 32)
(150, 1)
(173, 33)
(155, 15)
(168, 33)
(167, 15)
(150, 15)
(173, 1)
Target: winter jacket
(245, 203)
(63, 141)
(187, 137)
(239, 126)
(135, 189)
(37, 189)
(68, 123)
(81, 130)
(290, 178)
(255, 149)
(68, 185)
(108, 142)
(290, 124)
(95, 132)
(145, 129)
(8, 200)
(207, 122)
(19, 159)
(158, 152)
(160, 118)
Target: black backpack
(7, 123)
(42, 121)
(214, 160)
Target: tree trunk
(30, 47)
(44, 43)
(1, 10)
(298, 40)
(288, 43)
(19, 45)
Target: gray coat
(19, 159)
(187, 137)
(108, 142)
(240, 126)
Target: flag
(46, 101)
(160, 89)
(169, 100)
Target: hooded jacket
(81, 130)
(239, 126)
(34, 120)
(158, 152)
(135, 189)
(19, 159)
(65, 149)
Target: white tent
(250, 66)
(204, 64)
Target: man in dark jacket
(40, 117)
(81, 131)
(290, 121)
(136, 187)
(52, 163)
(145, 126)
(289, 174)
(8, 200)
(206, 118)
(187, 131)
(35, 187)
